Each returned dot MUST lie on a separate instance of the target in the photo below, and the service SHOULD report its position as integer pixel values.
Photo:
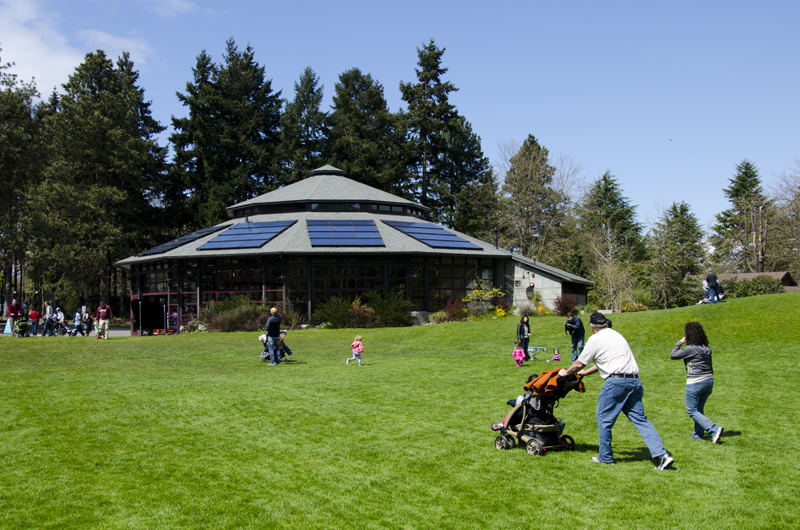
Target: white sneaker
(664, 462)
(717, 435)
(596, 459)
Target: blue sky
(668, 96)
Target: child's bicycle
(532, 352)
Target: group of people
(55, 319)
(712, 290)
(608, 353)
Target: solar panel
(188, 238)
(344, 233)
(432, 235)
(247, 235)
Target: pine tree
(428, 116)
(304, 130)
(740, 235)
(532, 211)
(226, 150)
(364, 137)
(98, 199)
(675, 249)
(607, 213)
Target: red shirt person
(104, 317)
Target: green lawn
(192, 432)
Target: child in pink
(519, 354)
(358, 349)
(556, 356)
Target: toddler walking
(519, 354)
(358, 349)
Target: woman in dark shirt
(699, 378)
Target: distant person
(14, 314)
(696, 358)
(556, 356)
(524, 335)
(713, 287)
(77, 319)
(88, 322)
(575, 328)
(273, 328)
(622, 391)
(34, 318)
(705, 291)
(358, 349)
(49, 318)
(518, 354)
(104, 316)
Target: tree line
(85, 181)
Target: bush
(336, 312)
(632, 307)
(438, 317)
(755, 287)
(241, 318)
(391, 308)
(565, 305)
(361, 315)
(476, 308)
(501, 302)
(454, 309)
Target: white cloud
(113, 46)
(169, 8)
(29, 38)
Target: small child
(556, 356)
(519, 354)
(358, 349)
(513, 403)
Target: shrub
(438, 317)
(565, 305)
(391, 308)
(501, 302)
(757, 286)
(336, 312)
(632, 307)
(476, 308)
(241, 318)
(454, 309)
(361, 315)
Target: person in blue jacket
(574, 327)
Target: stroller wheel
(568, 441)
(501, 443)
(534, 447)
(512, 442)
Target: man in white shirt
(622, 390)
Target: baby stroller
(21, 329)
(284, 349)
(531, 422)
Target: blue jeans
(577, 347)
(713, 296)
(34, 328)
(273, 343)
(624, 395)
(696, 397)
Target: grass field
(192, 432)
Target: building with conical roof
(324, 236)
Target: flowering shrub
(564, 305)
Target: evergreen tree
(608, 214)
(463, 172)
(740, 235)
(98, 199)
(303, 130)
(428, 116)
(532, 211)
(225, 151)
(20, 165)
(364, 137)
(675, 249)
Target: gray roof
(551, 270)
(326, 184)
(295, 240)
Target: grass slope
(192, 432)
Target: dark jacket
(274, 325)
(712, 280)
(522, 333)
(575, 327)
